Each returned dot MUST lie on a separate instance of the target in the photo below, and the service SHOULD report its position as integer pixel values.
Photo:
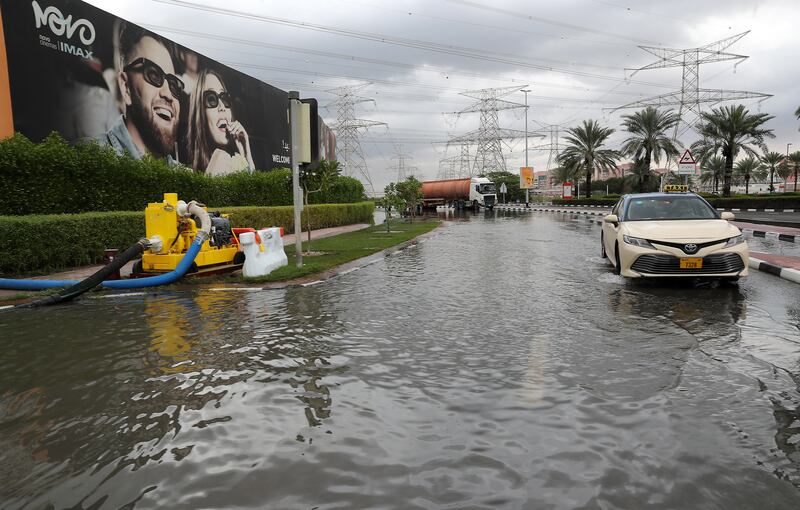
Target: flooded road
(498, 364)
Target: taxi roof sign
(676, 188)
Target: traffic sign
(566, 190)
(503, 188)
(687, 163)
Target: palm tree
(784, 171)
(563, 174)
(713, 171)
(772, 159)
(794, 158)
(584, 151)
(746, 169)
(728, 130)
(649, 139)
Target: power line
(397, 41)
(632, 9)
(505, 29)
(538, 19)
(689, 98)
(353, 58)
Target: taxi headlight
(733, 241)
(638, 241)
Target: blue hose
(133, 283)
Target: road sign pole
(527, 191)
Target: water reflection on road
(498, 364)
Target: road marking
(124, 294)
(235, 289)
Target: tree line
(726, 133)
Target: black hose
(94, 280)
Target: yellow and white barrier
(263, 251)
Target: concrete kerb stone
(763, 233)
(786, 273)
(757, 210)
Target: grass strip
(344, 248)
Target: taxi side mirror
(727, 216)
(611, 218)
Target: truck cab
(482, 193)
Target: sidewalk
(782, 266)
(783, 233)
(81, 273)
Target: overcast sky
(572, 54)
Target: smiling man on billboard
(151, 94)
(99, 77)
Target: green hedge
(53, 177)
(38, 244)
(757, 202)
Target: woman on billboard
(217, 144)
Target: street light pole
(527, 190)
(795, 174)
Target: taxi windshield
(670, 208)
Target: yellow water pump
(171, 223)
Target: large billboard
(89, 75)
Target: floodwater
(498, 364)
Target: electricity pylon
(458, 166)
(403, 170)
(447, 168)
(489, 135)
(689, 98)
(554, 147)
(347, 127)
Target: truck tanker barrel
(450, 189)
(473, 192)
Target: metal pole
(527, 191)
(294, 124)
(787, 162)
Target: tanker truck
(476, 192)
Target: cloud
(572, 53)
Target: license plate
(692, 263)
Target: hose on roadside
(94, 280)
(77, 287)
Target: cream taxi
(672, 234)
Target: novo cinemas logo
(59, 25)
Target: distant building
(620, 170)
(540, 180)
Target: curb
(789, 238)
(786, 273)
(756, 210)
